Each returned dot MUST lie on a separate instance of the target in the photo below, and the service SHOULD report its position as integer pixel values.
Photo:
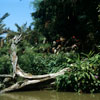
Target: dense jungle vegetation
(66, 33)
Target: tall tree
(68, 18)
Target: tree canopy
(68, 18)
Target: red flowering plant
(74, 38)
(75, 42)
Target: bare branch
(5, 75)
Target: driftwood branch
(4, 75)
(14, 57)
(36, 79)
(29, 80)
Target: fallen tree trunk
(8, 76)
(28, 79)
(35, 79)
(22, 74)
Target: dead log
(36, 79)
(28, 79)
(22, 74)
(14, 57)
(5, 75)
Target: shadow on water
(48, 95)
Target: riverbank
(83, 77)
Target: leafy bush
(4, 50)
(84, 76)
(5, 64)
(43, 63)
(32, 62)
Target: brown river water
(48, 95)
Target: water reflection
(48, 95)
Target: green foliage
(5, 60)
(5, 65)
(3, 17)
(2, 26)
(33, 60)
(78, 22)
(85, 68)
(84, 76)
(39, 63)
(67, 18)
(5, 50)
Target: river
(48, 95)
